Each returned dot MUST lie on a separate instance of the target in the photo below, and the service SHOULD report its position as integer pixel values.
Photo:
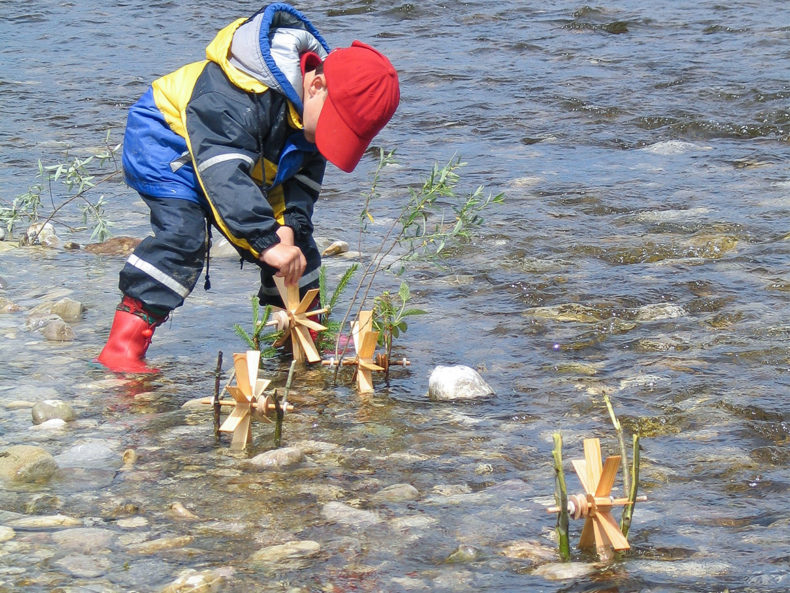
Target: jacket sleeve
(223, 140)
(301, 192)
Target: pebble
(44, 522)
(396, 493)
(50, 409)
(344, 514)
(26, 463)
(158, 545)
(293, 550)
(84, 540)
(204, 581)
(278, 458)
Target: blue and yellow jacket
(227, 132)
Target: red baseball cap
(363, 93)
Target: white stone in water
(6, 533)
(52, 408)
(458, 382)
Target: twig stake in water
(628, 511)
(561, 498)
(279, 409)
(215, 401)
(623, 452)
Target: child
(240, 142)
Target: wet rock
(204, 581)
(336, 248)
(561, 571)
(659, 311)
(114, 246)
(7, 306)
(54, 329)
(463, 554)
(40, 234)
(92, 453)
(84, 540)
(568, 312)
(84, 566)
(53, 424)
(68, 310)
(52, 408)
(344, 514)
(396, 493)
(179, 511)
(278, 458)
(276, 556)
(41, 503)
(44, 522)
(6, 533)
(26, 463)
(155, 546)
(132, 522)
(529, 550)
(458, 382)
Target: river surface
(641, 252)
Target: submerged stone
(293, 550)
(26, 463)
(204, 581)
(277, 458)
(396, 493)
(561, 571)
(51, 409)
(344, 514)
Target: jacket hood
(265, 50)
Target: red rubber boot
(130, 336)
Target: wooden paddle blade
(238, 395)
(369, 341)
(608, 475)
(289, 293)
(580, 467)
(587, 539)
(366, 364)
(253, 366)
(364, 380)
(306, 344)
(616, 538)
(242, 434)
(260, 387)
(599, 534)
(242, 374)
(307, 300)
(234, 418)
(592, 455)
(366, 320)
(307, 322)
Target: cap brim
(337, 141)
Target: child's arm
(224, 147)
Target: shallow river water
(641, 252)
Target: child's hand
(288, 259)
